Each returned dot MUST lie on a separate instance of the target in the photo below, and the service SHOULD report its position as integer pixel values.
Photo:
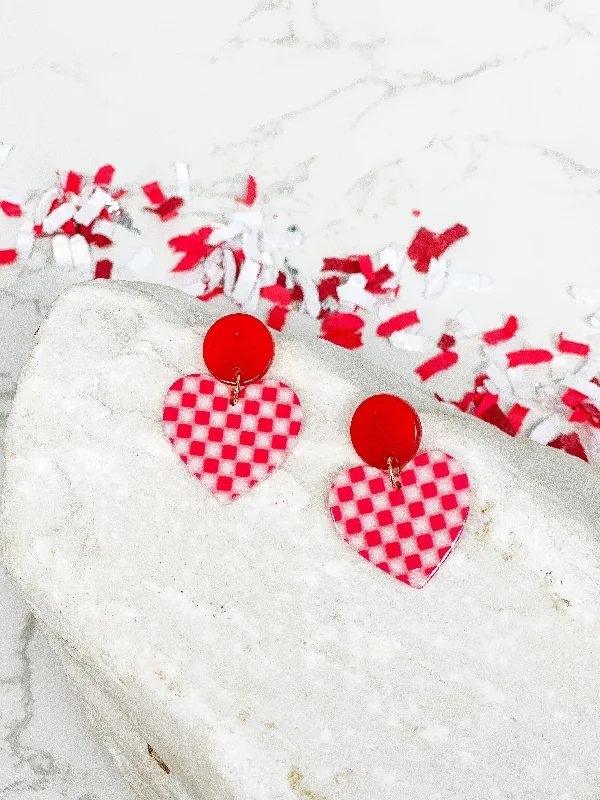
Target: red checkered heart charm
(231, 448)
(406, 532)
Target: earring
(233, 429)
(403, 512)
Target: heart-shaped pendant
(230, 449)
(410, 531)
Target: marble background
(350, 115)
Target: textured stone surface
(254, 652)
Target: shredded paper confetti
(550, 393)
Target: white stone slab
(255, 653)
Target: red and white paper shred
(233, 256)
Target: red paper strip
(104, 175)
(484, 402)
(328, 288)
(375, 285)
(516, 416)
(351, 340)
(277, 294)
(572, 398)
(466, 401)
(250, 197)
(579, 415)
(503, 334)
(8, 256)
(446, 342)
(366, 266)
(438, 363)
(398, 323)
(213, 293)
(70, 228)
(154, 193)
(103, 268)
(480, 380)
(277, 317)
(193, 242)
(449, 237)
(189, 261)
(338, 321)
(571, 444)
(496, 417)
(576, 348)
(427, 245)
(167, 210)
(10, 209)
(73, 183)
(527, 357)
(297, 294)
(348, 265)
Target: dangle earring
(231, 428)
(403, 512)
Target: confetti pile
(550, 394)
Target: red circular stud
(383, 427)
(238, 343)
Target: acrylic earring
(231, 428)
(403, 512)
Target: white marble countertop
(350, 116)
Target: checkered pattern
(231, 448)
(407, 532)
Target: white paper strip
(246, 281)
(183, 180)
(86, 192)
(516, 376)
(140, 260)
(58, 217)
(585, 294)
(469, 280)
(90, 210)
(104, 228)
(251, 303)
(559, 366)
(43, 207)
(311, 296)
(229, 272)
(411, 341)
(250, 246)
(225, 234)
(547, 430)
(213, 268)
(466, 325)
(388, 257)
(435, 280)
(62, 251)
(268, 275)
(499, 377)
(353, 294)
(25, 240)
(80, 251)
